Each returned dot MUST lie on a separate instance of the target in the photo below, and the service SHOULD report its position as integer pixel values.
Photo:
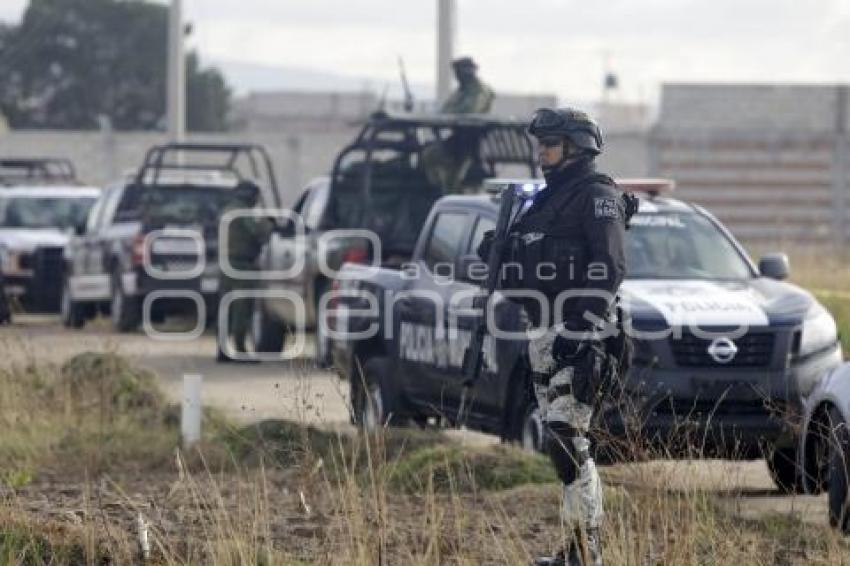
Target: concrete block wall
(101, 159)
(749, 108)
(771, 161)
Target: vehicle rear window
(45, 212)
(445, 241)
(161, 206)
(681, 246)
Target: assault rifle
(408, 95)
(473, 357)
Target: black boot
(590, 547)
(569, 557)
(557, 560)
(594, 546)
(589, 550)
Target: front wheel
(837, 478)
(267, 335)
(376, 403)
(125, 312)
(533, 431)
(71, 311)
(526, 425)
(784, 470)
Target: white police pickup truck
(41, 202)
(725, 350)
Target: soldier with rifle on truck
(448, 161)
(569, 244)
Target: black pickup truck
(385, 182)
(725, 351)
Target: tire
(376, 401)
(837, 478)
(73, 315)
(267, 335)
(784, 469)
(323, 353)
(525, 423)
(124, 310)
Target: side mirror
(775, 265)
(471, 269)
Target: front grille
(50, 262)
(704, 408)
(755, 349)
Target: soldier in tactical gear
(447, 162)
(245, 238)
(569, 244)
(472, 95)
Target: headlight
(819, 331)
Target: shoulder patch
(605, 207)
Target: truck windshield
(44, 212)
(681, 246)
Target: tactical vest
(547, 251)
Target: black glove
(483, 250)
(567, 349)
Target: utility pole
(176, 101)
(446, 18)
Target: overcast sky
(553, 46)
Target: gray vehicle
(725, 351)
(274, 316)
(384, 182)
(825, 444)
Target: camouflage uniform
(245, 238)
(576, 222)
(473, 97)
(447, 163)
(567, 420)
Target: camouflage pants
(566, 421)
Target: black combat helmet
(569, 123)
(465, 63)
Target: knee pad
(566, 454)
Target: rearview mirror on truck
(775, 265)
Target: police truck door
(424, 344)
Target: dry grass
(91, 447)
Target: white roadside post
(190, 421)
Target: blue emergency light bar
(528, 187)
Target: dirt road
(245, 392)
(297, 390)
